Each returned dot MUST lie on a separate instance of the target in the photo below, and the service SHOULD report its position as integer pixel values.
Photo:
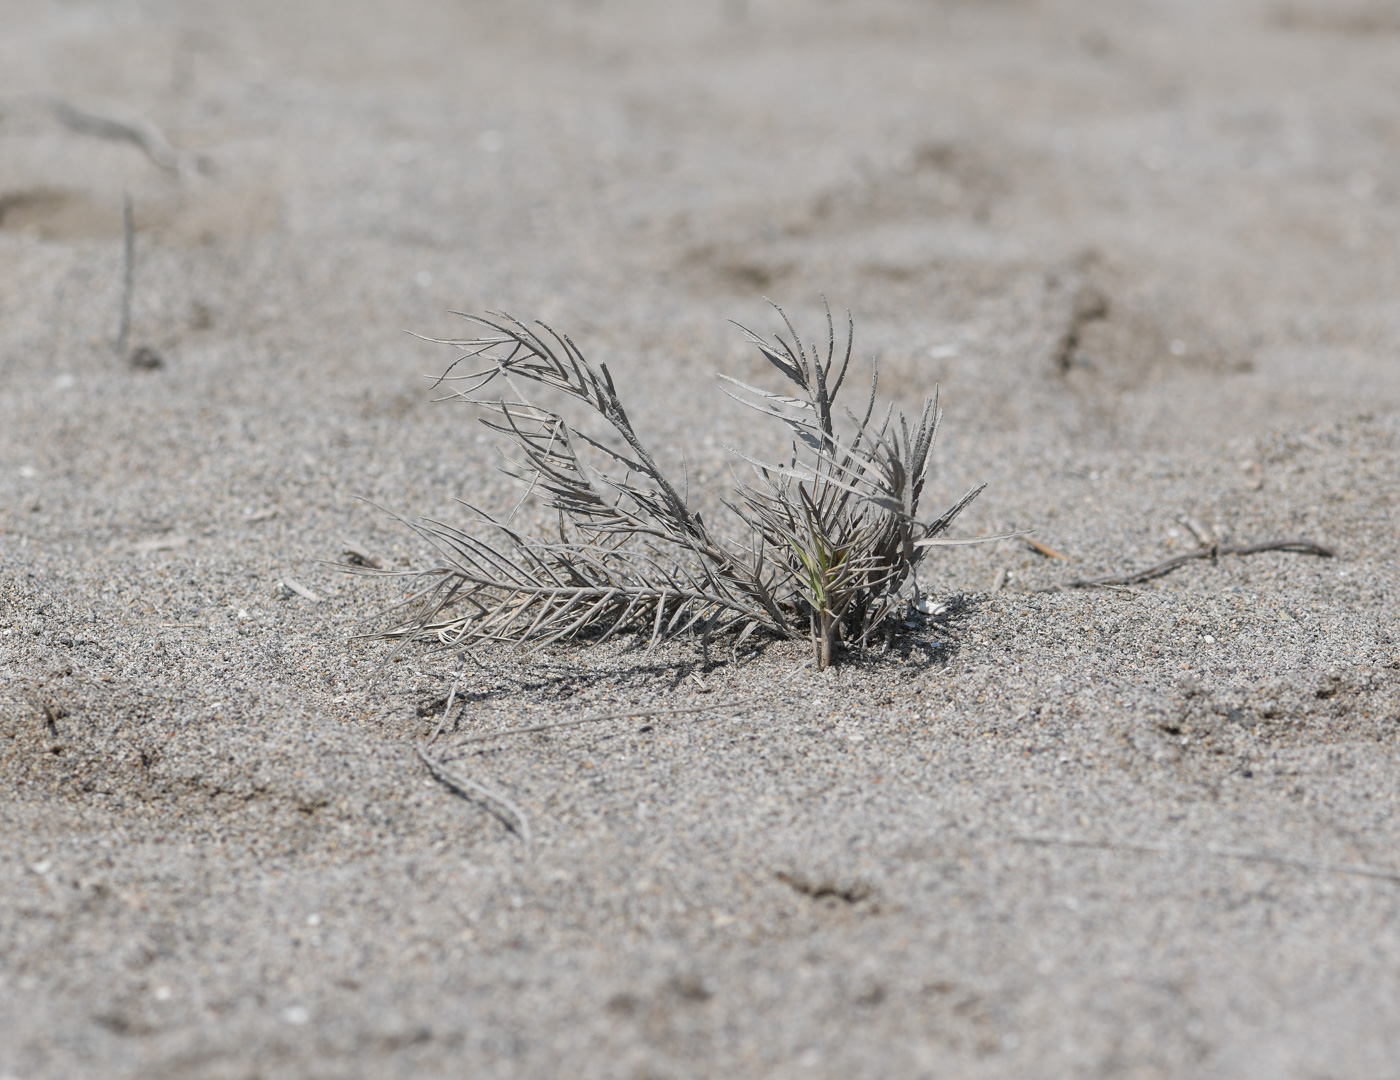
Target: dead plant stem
(513, 817)
(1161, 569)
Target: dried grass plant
(827, 542)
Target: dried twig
(293, 585)
(512, 818)
(1302, 547)
(1211, 851)
(1045, 549)
(446, 709)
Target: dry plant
(828, 539)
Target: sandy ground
(1149, 252)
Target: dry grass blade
(830, 538)
(510, 815)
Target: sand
(1147, 252)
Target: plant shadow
(929, 640)
(922, 642)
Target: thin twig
(1213, 852)
(490, 735)
(447, 709)
(1045, 549)
(513, 819)
(128, 273)
(293, 585)
(1302, 547)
